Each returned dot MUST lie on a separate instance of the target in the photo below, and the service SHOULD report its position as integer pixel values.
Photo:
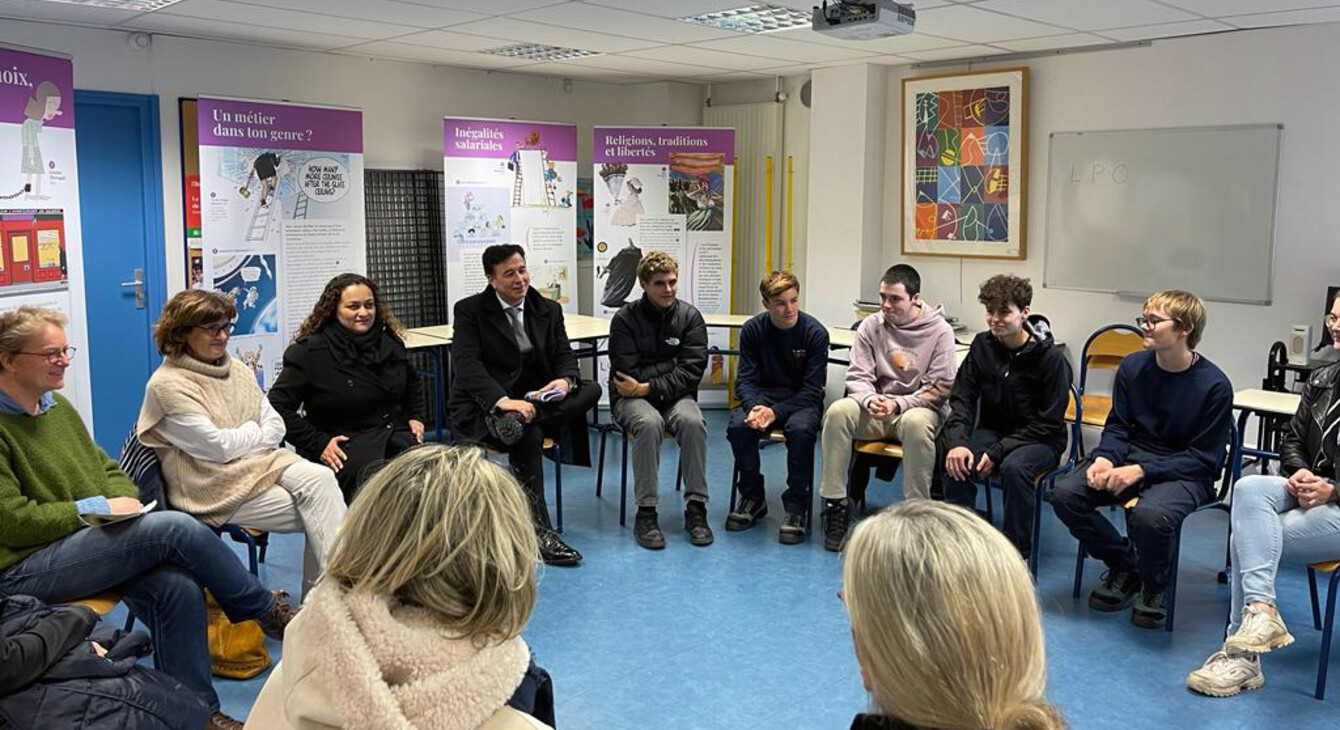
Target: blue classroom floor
(749, 633)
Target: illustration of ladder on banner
(528, 192)
(300, 207)
(260, 221)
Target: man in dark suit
(515, 376)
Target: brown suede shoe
(274, 621)
(220, 721)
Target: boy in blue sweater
(1164, 442)
(780, 385)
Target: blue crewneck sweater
(785, 370)
(1174, 425)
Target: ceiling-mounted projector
(864, 20)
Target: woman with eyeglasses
(55, 482)
(220, 442)
(1293, 517)
(348, 393)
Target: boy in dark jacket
(780, 385)
(1007, 409)
(658, 352)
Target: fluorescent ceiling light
(754, 19)
(138, 6)
(539, 52)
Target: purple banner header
(654, 145)
(499, 138)
(241, 123)
(36, 87)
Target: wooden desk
(1262, 403)
(584, 328)
(433, 340)
(731, 321)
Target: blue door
(120, 199)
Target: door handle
(138, 285)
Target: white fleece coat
(362, 661)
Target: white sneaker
(1225, 674)
(1260, 632)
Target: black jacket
(665, 348)
(486, 362)
(1020, 394)
(342, 400)
(785, 370)
(879, 722)
(1303, 447)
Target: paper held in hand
(93, 520)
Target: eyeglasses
(215, 329)
(1149, 323)
(1331, 320)
(54, 356)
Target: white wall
(403, 103)
(1280, 75)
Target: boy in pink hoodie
(902, 369)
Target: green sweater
(47, 463)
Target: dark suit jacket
(486, 361)
(340, 400)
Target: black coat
(665, 348)
(486, 361)
(1303, 447)
(66, 685)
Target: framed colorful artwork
(964, 154)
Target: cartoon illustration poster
(511, 182)
(41, 251)
(667, 189)
(281, 191)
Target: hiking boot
(1151, 609)
(1117, 591)
(1225, 674)
(1260, 632)
(646, 531)
(792, 531)
(506, 426)
(220, 721)
(746, 515)
(695, 522)
(274, 621)
(835, 524)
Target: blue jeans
(159, 563)
(1017, 473)
(1268, 525)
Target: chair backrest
(1076, 407)
(141, 464)
(1230, 463)
(1106, 348)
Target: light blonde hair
(443, 528)
(776, 283)
(1186, 310)
(17, 326)
(945, 621)
(656, 262)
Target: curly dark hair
(1002, 290)
(329, 301)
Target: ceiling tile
(603, 75)
(218, 29)
(1052, 42)
(601, 19)
(896, 44)
(785, 50)
(1167, 30)
(945, 54)
(1220, 8)
(450, 40)
(681, 8)
(706, 57)
(401, 13)
(1290, 17)
(64, 12)
(277, 18)
(425, 54)
(733, 77)
(1088, 14)
(647, 66)
(967, 23)
(526, 32)
(489, 7)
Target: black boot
(695, 522)
(835, 524)
(646, 531)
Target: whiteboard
(1136, 211)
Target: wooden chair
(773, 436)
(876, 449)
(103, 604)
(1104, 350)
(1331, 567)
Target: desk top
(1267, 401)
(733, 321)
(582, 327)
(436, 336)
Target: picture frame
(964, 164)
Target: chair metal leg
(1036, 542)
(1172, 579)
(990, 511)
(130, 619)
(623, 485)
(1323, 661)
(1079, 571)
(1312, 593)
(679, 475)
(558, 483)
(600, 467)
(734, 484)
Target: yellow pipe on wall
(790, 175)
(734, 268)
(768, 199)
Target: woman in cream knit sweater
(220, 441)
(417, 622)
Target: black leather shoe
(747, 513)
(507, 426)
(695, 522)
(555, 551)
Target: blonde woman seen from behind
(933, 594)
(417, 621)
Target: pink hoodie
(914, 364)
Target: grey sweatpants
(645, 424)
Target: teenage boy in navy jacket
(780, 385)
(1163, 442)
